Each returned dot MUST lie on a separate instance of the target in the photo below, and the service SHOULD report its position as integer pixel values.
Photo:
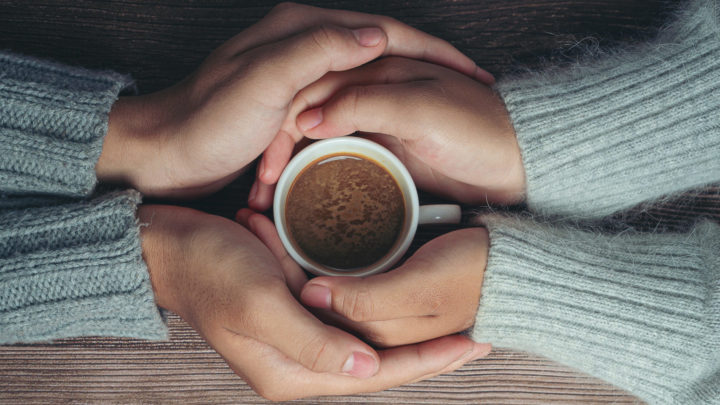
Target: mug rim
(349, 144)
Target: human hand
(195, 137)
(452, 132)
(434, 293)
(228, 286)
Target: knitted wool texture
(641, 311)
(75, 270)
(68, 266)
(53, 120)
(611, 133)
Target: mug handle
(439, 214)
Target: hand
(452, 132)
(434, 293)
(228, 286)
(198, 135)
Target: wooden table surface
(160, 42)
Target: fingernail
(316, 295)
(360, 365)
(253, 192)
(309, 119)
(368, 36)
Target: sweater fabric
(638, 124)
(69, 265)
(641, 311)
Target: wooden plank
(186, 370)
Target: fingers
(274, 316)
(390, 109)
(276, 377)
(434, 293)
(277, 71)
(385, 71)
(375, 298)
(276, 155)
(288, 19)
(272, 163)
(261, 194)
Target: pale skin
(195, 137)
(455, 137)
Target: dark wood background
(160, 42)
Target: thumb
(378, 108)
(277, 319)
(287, 66)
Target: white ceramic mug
(414, 213)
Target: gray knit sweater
(640, 311)
(70, 265)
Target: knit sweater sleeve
(632, 126)
(75, 269)
(68, 266)
(641, 311)
(53, 119)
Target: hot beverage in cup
(344, 211)
(348, 206)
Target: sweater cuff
(75, 270)
(53, 119)
(633, 126)
(639, 311)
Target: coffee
(344, 211)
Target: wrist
(119, 156)
(161, 239)
(133, 146)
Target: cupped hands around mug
(242, 299)
(195, 137)
(451, 131)
(434, 294)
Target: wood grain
(186, 370)
(160, 42)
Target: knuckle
(325, 37)
(357, 305)
(311, 354)
(349, 103)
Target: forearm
(53, 119)
(638, 310)
(632, 126)
(75, 269)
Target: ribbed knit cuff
(640, 311)
(75, 270)
(607, 134)
(53, 120)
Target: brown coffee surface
(344, 211)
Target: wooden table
(160, 42)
